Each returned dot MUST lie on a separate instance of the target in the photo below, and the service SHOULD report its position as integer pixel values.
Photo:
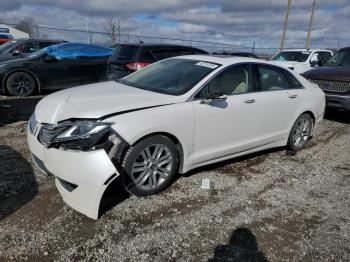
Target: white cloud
(236, 22)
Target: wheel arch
(311, 114)
(36, 79)
(174, 139)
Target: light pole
(283, 38)
(310, 25)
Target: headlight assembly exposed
(81, 130)
(32, 123)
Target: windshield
(170, 76)
(8, 47)
(296, 56)
(37, 54)
(340, 58)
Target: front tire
(300, 133)
(151, 165)
(20, 84)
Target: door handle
(293, 96)
(249, 101)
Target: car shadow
(337, 116)
(113, 196)
(16, 109)
(242, 247)
(18, 185)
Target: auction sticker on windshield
(206, 64)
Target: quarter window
(232, 81)
(271, 79)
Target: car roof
(304, 50)
(157, 45)
(38, 39)
(223, 59)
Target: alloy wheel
(302, 132)
(152, 166)
(21, 84)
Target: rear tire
(150, 165)
(20, 84)
(301, 133)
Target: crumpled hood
(97, 100)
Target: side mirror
(216, 95)
(320, 63)
(49, 58)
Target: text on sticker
(206, 64)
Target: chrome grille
(333, 86)
(48, 133)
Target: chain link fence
(102, 38)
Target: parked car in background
(334, 79)
(241, 54)
(128, 58)
(54, 67)
(302, 60)
(19, 48)
(172, 116)
(4, 38)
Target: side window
(45, 44)
(325, 56)
(234, 80)
(271, 79)
(293, 82)
(162, 53)
(30, 47)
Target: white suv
(302, 60)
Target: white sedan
(168, 118)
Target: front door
(226, 126)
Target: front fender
(176, 120)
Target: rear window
(125, 53)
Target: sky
(243, 22)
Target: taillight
(136, 66)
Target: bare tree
(27, 25)
(112, 28)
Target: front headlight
(81, 130)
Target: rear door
(279, 100)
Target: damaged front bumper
(81, 177)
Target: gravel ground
(265, 207)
